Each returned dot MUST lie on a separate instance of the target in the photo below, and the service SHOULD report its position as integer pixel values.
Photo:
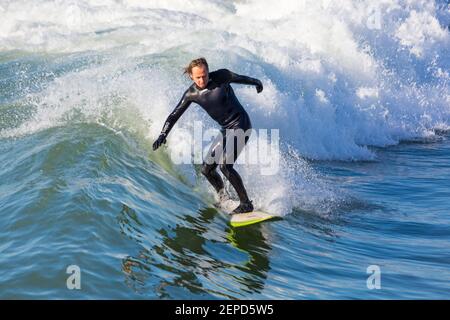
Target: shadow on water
(202, 257)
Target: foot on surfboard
(244, 207)
(225, 203)
(247, 215)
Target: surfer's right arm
(173, 118)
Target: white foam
(338, 76)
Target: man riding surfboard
(212, 91)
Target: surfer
(212, 91)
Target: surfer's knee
(226, 169)
(207, 169)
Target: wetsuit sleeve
(237, 78)
(176, 113)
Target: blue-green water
(364, 175)
(83, 195)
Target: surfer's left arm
(241, 79)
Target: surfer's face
(200, 76)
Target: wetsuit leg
(210, 164)
(232, 150)
(209, 171)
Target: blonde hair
(195, 63)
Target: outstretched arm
(172, 119)
(237, 78)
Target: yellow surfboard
(245, 219)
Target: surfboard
(242, 219)
(246, 219)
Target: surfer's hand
(161, 139)
(259, 87)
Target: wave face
(338, 76)
(85, 87)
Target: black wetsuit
(220, 102)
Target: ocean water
(359, 94)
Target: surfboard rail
(245, 219)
